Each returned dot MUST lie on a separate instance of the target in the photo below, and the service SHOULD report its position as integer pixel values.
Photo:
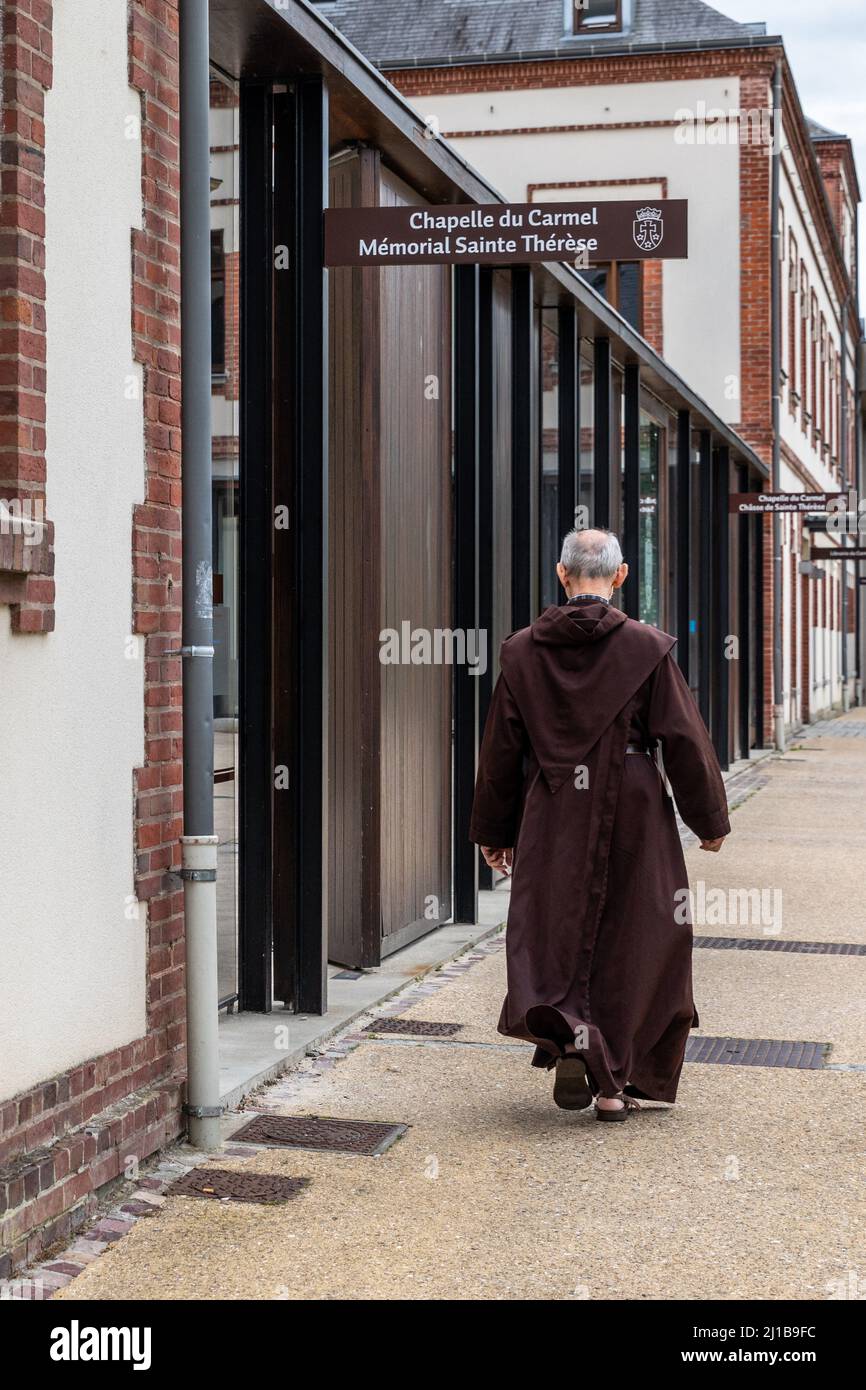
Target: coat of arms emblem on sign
(647, 228)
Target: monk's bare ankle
(609, 1102)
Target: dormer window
(597, 16)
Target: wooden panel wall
(502, 624)
(353, 919)
(415, 418)
(389, 790)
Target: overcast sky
(826, 48)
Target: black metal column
(255, 763)
(744, 591)
(523, 370)
(758, 634)
(684, 538)
(467, 314)
(568, 492)
(602, 389)
(631, 490)
(705, 561)
(721, 665)
(310, 528)
(485, 506)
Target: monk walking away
(570, 799)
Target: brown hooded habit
(592, 939)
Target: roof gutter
(578, 51)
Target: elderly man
(599, 961)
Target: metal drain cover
(368, 1137)
(757, 1052)
(418, 1027)
(221, 1184)
(809, 948)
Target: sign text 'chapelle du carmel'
(507, 233)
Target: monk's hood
(572, 673)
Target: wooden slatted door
(389, 785)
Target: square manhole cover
(221, 1184)
(757, 1052)
(366, 1137)
(416, 1027)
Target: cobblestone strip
(291, 1085)
(143, 1200)
(147, 1194)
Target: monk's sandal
(571, 1089)
(629, 1104)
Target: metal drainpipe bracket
(186, 651)
(203, 1112)
(198, 858)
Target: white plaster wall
(798, 219)
(701, 295)
(72, 982)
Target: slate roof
(821, 132)
(408, 32)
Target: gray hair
(594, 554)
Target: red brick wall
(129, 1099)
(26, 570)
(767, 645)
(755, 265)
(565, 72)
(153, 71)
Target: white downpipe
(199, 853)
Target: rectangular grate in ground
(768, 943)
(757, 1052)
(417, 1027)
(221, 1185)
(362, 1137)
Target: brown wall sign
(507, 233)
(856, 552)
(782, 501)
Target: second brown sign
(507, 233)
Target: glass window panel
(697, 560)
(671, 533)
(592, 14)
(587, 426)
(628, 301)
(596, 277)
(225, 256)
(549, 549)
(648, 520)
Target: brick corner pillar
(156, 529)
(26, 535)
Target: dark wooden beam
(683, 539)
(485, 505)
(601, 432)
(467, 314)
(631, 490)
(705, 571)
(721, 664)
(255, 763)
(524, 372)
(568, 400)
(310, 330)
